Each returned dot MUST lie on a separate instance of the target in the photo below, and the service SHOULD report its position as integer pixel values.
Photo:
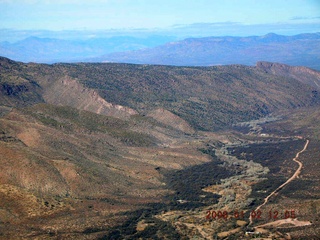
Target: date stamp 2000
(255, 215)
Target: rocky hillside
(302, 74)
(86, 148)
(207, 98)
(17, 88)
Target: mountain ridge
(300, 50)
(220, 96)
(302, 74)
(51, 50)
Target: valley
(124, 151)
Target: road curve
(296, 174)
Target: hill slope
(96, 151)
(207, 98)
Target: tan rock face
(70, 92)
(30, 137)
(168, 118)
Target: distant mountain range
(51, 50)
(299, 50)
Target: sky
(185, 18)
(120, 14)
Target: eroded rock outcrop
(69, 92)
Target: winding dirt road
(296, 174)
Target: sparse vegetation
(97, 169)
(218, 97)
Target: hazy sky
(115, 14)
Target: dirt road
(296, 174)
(293, 222)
